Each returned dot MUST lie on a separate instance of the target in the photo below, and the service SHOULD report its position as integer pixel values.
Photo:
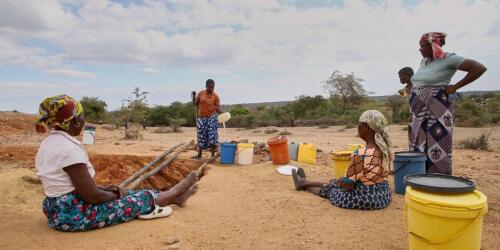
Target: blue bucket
(293, 150)
(227, 153)
(407, 163)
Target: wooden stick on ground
(149, 165)
(161, 166)
(204, 165)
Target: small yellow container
(440, 221)
(307, 153)
(354, 146)
(341, 160)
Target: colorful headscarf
(377, 122)
(436, 40)
(57, 111)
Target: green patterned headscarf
(377, 122)
(57, 111)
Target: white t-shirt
(57, 151)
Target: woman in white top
(73, 201)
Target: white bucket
(224, 117)
(88, 137)
(245, 153)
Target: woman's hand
(121, 192)
(450, 89)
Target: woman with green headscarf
(73, 201)
(364, 185)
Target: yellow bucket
(307, 153)
(444, 221)
(341, 160)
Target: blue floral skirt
(361, 197)
(207, 132)
(69, 212)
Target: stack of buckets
(444, 221)
(244, 152)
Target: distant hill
(376, 98)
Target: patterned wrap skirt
(430, 128)
(208, 136)
(69, 212)
(361, 197)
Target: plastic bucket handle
(402, 166)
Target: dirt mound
(113, 169)
(19, 155)
(16, 123)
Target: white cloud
(266, 37)
(150, 70)
(70, 73)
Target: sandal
(159, 212)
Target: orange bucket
(279, 150)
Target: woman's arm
(86, 186)
(474, 71)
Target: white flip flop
(159, 212)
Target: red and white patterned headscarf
(436, 40)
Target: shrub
(257, 131)
(285, 132)
(270, 131)
(477, 143)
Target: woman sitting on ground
(73, 201)
(365, 184)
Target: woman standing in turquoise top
(431, 113)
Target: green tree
(95, 109)
(396, 103)
(347, 87)
(135, 107)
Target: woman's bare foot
(182, 199)
(203, 172)
(297, 180)
(183, 186)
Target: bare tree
(347, 87)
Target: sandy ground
(250, 207)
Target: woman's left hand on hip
(450, 89)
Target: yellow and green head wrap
(377, 122)
(57, 111)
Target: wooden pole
(204, 165)
(149, 165)
(161, 166)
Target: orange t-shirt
(208, 104)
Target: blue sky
(267, 50)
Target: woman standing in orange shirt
(208, 104)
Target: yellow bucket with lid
(341, 160)
(440, 221)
